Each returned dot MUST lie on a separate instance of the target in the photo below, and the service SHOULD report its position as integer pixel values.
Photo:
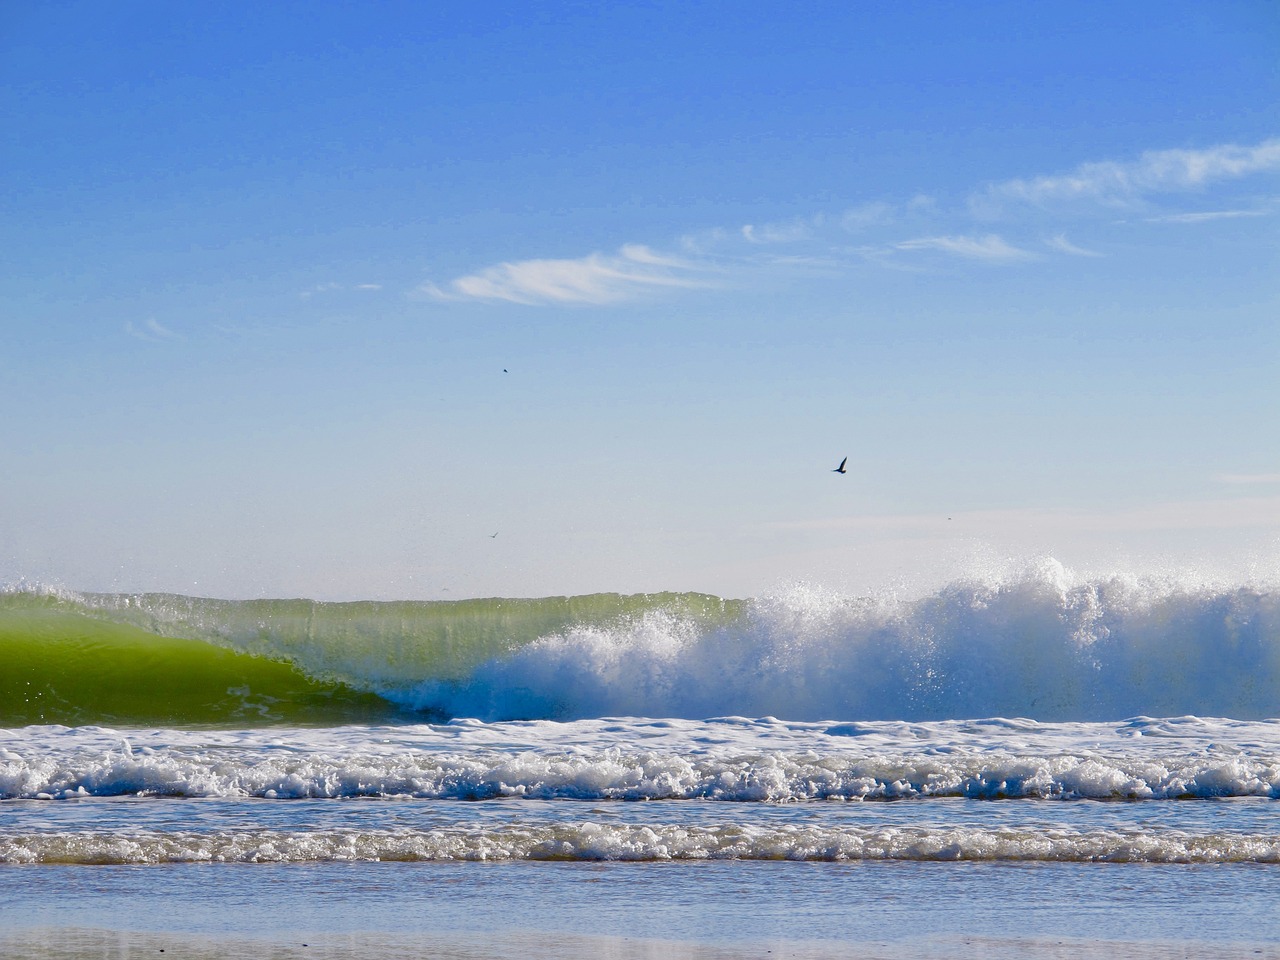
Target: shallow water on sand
(652, 909)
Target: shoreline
(76, 943)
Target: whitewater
(460, 777)
(1041, 644)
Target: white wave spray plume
(1040, 643)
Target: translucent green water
(161, 658)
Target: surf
(72, 658)
(596, 842)
(1039, 642)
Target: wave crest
(1040, 644)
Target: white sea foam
(1042, 643)
(731, 759)
(620, 776)
(618, 842)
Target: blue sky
(316, 299)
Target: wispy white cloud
(1156, 171)
(598, 278)
(1206, 216)
(867, 215)
(887, 230)
(789, 231)
(322, 288)
(1060, 243)
(701, 242)
(881, 213)
(151, 330)
(990, 247)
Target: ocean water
(1034, 762)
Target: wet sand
(94, 944)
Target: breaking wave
(1042, 644)
(590, 841)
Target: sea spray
(1039, 645)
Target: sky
(432, 301)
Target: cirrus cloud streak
(1155, 171)
(991, 247)
(594, 279)
(924, 226)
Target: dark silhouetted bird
(841, 469)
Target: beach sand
(95, 944)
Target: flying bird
(841, 469)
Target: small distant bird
(841, 469)
(492, 535)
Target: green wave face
(167, 659)
(71, 669)
(377, 645)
